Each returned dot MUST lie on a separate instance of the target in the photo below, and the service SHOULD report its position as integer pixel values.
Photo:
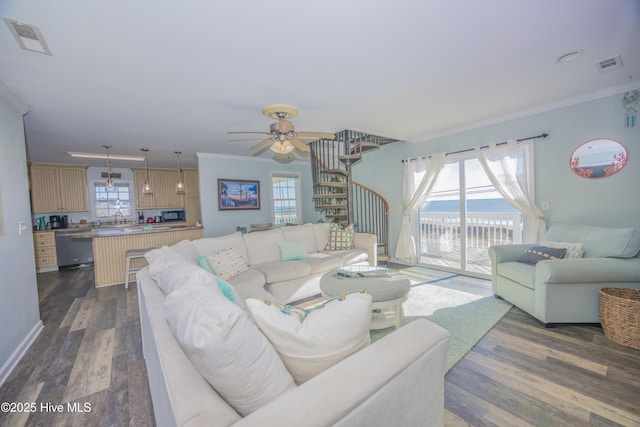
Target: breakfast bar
(110, 246)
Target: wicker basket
(620, 315)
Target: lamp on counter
(180, 183)
(109, 179)
(146, 186)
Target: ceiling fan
(282, 133)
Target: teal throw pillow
(292, 250)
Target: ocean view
(473, 205)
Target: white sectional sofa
(283, 281)
(398, 380)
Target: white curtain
(419, 178)
(510, 169)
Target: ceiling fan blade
(299, 144)
(261, 133)
(262, 143)
(323, 135)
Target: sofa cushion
(340, 238)
(187, 250)
(176, 275)
(321, 233)
(292, 250)
(599, 242)
(279, 271)
(535, 254)
(226, 348)
(301, 233)
(518, 272)
(161, 258)
(262, 246)
(310, 341)
(574, 250)
(212, 245)
(227, 263)
(349, 256)
(321, 262)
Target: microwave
(168, 216)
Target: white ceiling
(170, 75)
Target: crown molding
(603, 93)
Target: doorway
(462, 217)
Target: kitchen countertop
(137, 229)
(120, 230)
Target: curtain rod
(542, 135)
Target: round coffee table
(387, 289)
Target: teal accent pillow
(227, 289)
(540, 253)
(204, 263)
(291, 250)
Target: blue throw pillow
(540, 253)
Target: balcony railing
(441, 240)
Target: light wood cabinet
(44, 245)
(58, 188)
(191, 181)
(192, 197)
(163, 183)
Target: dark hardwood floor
(88, 355)
(519, 374)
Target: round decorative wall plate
(598, 158)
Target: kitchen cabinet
(192, 197)
(58, 188)
(44, 245)
(163, 183)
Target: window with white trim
(287, 208)
(111, 201)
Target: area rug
(467, 311)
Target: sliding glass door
(462, 217)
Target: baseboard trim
(19, 352)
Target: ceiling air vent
(609, 64)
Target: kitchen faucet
(115, 217)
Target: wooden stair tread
(334, 172)
(331, 206)
(330, 196)
(333, 184)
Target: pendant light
(109, 179)
(146, 186)
(180, 183)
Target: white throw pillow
(574, 250)
(226, 348)
(161, 258)
(227, 263)
(183, 273)
(310, 341)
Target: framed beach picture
(238, 194)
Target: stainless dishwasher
(73, 248)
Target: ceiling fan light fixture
(282, 147)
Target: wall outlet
(544, 205)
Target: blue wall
(19, 311)
(612, 201)
(212, 167)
